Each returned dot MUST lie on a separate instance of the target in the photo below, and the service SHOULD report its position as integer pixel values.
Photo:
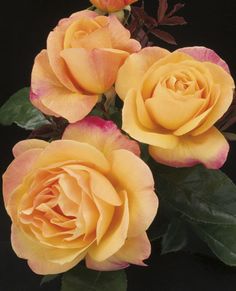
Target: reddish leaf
(133, 26)
(142, 37)
(163, 6)
(163, 35)
(174, 20)
(176, 8)
(141, 15)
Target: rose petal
(111, 264)
(55, 44)
(68, 150)
(25, 145)
(135, 67)
(96, 69)
(140, 187)
(204, 54)
(225, 99)
(66, 22)
(17, 170)
(209, 148)
(170, 111)
(99, 185)
(120, 36)
(115, 236)
(104, 135)
(42, 259)
(52, 98)
(135, 250)
(72, 106)
(134, 128)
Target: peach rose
(173, 100)
(84, 53)
(88, 196)
(111, 5)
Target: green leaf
(18, 109)
(82, 279)
(48, 278)
(175, 239)
(206, 200)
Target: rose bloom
(88, 196)
(84, 53)
(173, 100)
(111, 5)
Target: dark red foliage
(142, 24)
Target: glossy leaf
(48, 278)
(175, 238)
(82, 279)
(18, 109)
(206, 200)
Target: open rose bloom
(173, 100)
(88, 196)
(111, 5)
(83, 55)
(71, 200)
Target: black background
(24, 26)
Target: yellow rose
(84, 53)
(172, 101)
(88, 196)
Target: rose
(111, 5)
(173, 100)
(84, 53)
(88, 196)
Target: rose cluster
(89, 196)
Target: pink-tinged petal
(134, 68)
(51, 97)
(135, 250)
(42, 259)
(72, 106)
(42, 80)
(226, 92)
(133, 126)
(66, 22)
(94, 70)
(140, 187)
(111, 264)
(17, 171)
(209, 148)
(103, 134)
(120, 36)
(55, 44)
(25, 145)
(116, 234)
(68, 150)
(204, 54)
